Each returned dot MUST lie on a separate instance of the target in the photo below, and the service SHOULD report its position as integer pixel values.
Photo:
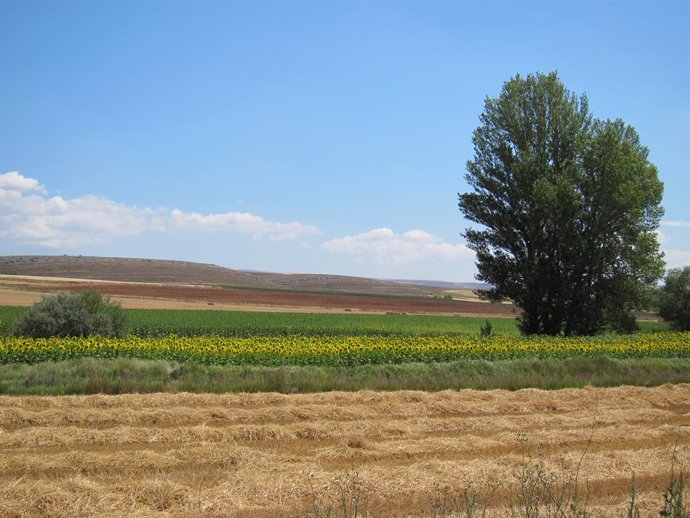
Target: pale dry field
(13, 292)
(283, 455)
(17, 297)
(23, 290)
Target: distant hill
(310, 281)
(445, 285)
(183, 272)
(128, 270)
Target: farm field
(287, 452)
(400, 453)
(157, 322)
(26, 290)
(342, 350)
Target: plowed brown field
(267, 454)
(26, 291)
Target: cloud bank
(675, 234)
(677, 224)
(29, 216)
(385, 246)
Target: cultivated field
(158, 322)
(399, 454)
(349, 454)
(343, 351)
(26, 290)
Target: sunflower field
(342, 350)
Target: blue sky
(303, 136)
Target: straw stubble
(267, 454)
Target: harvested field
(289, 455)
(177, 296)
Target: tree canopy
(674, 300)
(567, 207)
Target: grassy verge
(128, 375)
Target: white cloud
(28, 216)
(238, 222)
(677, 224)
(14, 181)
(676, 258)
(383, 245)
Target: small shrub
(71, 314)
(487, 329)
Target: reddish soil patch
(366, 303)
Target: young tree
(674, 299)
(568, 205)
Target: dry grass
(400, 453)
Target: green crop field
(160, 322)
(246, 324)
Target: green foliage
(487, 329)
(674, 299)
(72, 314)
(569, 206)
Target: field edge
(129, 375)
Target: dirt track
(208, 455)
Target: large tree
(567, 207)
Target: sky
(304, 136)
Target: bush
(487, 329)
(674, 300)
(73, 314)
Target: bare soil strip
(264, 454)
(10, 297)
(16, 290)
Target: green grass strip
(127, 375)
